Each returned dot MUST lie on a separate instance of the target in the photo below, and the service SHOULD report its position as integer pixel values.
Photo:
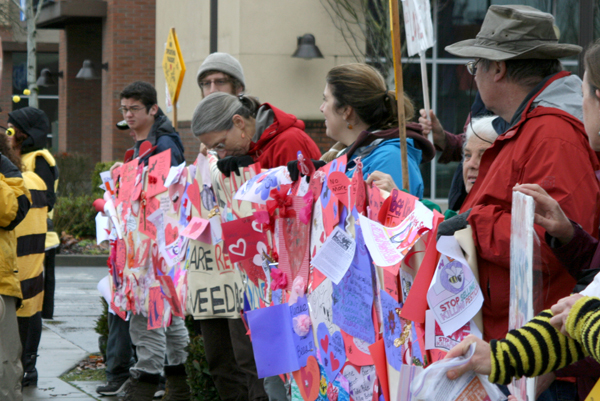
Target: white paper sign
(258, 188)
(521, 278)
(335, 256)
(418, 25)
(174, 174)
(454, 295)
(102, 228)
(435, 338)
(389, 245)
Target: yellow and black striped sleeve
(533, 350)
(15, 199)
(583, 324)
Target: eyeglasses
(472, 66)
(218, 83)
(133, 109)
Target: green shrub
(198, 377)
(96, 181)
(74, 174)
(102, 328)
(75, 215)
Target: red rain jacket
(549, 147)
(281, 141)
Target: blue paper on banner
(305, 345)
(272, 340)
(392, 329)
(353, 296)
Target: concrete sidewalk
(70, 337)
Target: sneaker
(113, 387)
(160, 391)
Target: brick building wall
(128, 45)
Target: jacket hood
(563, 93)
(162, 127)
(413, 130)
(34, 123)
(281, 122)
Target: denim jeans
(119, 350)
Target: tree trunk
(30, 14)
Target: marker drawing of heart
(239, 248)
(193, 193)
(171, 234)
(308, 379)
(335, 364)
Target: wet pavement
(70, 337)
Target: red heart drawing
(335, 364)
(193, 193)
(308, 379)
(338, 184)
(325, 343)
(171, 234)
(239, 248)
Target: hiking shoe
(141, 388)
(113, 387)
(162, 385)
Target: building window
(48, 96)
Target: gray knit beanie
(222, 62)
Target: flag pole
(396, 46)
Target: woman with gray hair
(480, 135)
(241, 131)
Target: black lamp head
(87, 71)
(47, 78)
(307, 48)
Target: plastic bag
(433, 384)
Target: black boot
(140, 386)
(30, 374)
(177, 386)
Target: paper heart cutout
(145, 147)
(256, 226)
(360, 382)
(171, 234)
(335, 357)
(239, 248)
(338, 184)
(308, 379)
(258, 258)
(193, 193)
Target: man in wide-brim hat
(541, 140)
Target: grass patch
(91, 368)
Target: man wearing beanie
(228, 348)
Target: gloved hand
(452, 225)
(232, 163)
(295, 171)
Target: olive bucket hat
(515, 32)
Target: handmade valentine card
(308, 379)
(357, 350)
(241, 237)
(195, 228)
(155, 308)
(158, 169)
(329, 202)
(128, 173)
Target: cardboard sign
(215, 286)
